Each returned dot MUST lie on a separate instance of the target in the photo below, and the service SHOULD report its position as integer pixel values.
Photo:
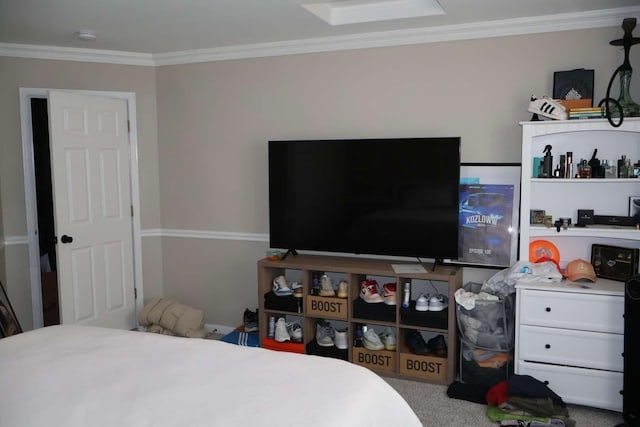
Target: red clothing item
(497, 394)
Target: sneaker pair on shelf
(372, 341)
(436, 346)
(328, 290)
(288, 331)
(435, 303)
(250, 320)
(328, 336)
(369, 292)
(282, 289)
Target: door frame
(26, 94)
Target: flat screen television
(393, 196)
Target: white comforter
(79, 376)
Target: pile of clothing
(524, 400)
(168, 317)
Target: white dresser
(570, 336)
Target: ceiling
(164, 26)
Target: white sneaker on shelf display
(422, 303)
(326, 287)
(341, 339)
(280, 286)
(282, 334)
(371, 340)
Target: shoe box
(313, 348)
(291, 347)
(376, 360)
(429, 319)
(374, 311)
(423, 367)
(333, 307)
(282, 303)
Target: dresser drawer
(589, 387)
(586, 312)
(569, 347)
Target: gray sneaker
(371, 340)
(325, 334)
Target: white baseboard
(219, 329)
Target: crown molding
(478, 30)
(76, 54)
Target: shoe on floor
(250, 320)
(343, 289)
(437, 346)
(438, 303)
(369, 291)
(341, 339)
(371, 340)
(282, 334)
(389, 339)
(326, 287)
(280, 286)
(389, 293)
(416, 343)
(324, 334)
(422, 303)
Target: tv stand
(290, 251)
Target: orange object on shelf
(543, 249)
(291, 347)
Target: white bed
(79, 376)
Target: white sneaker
(326, 287)
(343, 289)
(369, 291)
(422, 303)
(548, 107)
(280, 287)
(438, 303)
(389, 339)
(341, 339)
(282, 334)
(371, 340)
(324, 334)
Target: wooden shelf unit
(401, 362)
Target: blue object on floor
(248, 339)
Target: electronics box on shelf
(332, 307)
(423, 367)
(377, 360)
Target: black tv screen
(395, 197)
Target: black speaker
(631, 379)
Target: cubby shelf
(398, 363)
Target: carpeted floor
(434, 408)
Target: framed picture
(488, 214)
(8, 321)
(634, 206)
(574, 88)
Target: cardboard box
(331, 307)
(376, 360)
(423, 367)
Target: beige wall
(203, 162)
(16, 73)
(215, 120)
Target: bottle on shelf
(622, 167)
(272, 327)
(568, 169)
(609, 169)
(584, 170)
(315, 284)
(407, 295)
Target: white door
(92, 209)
